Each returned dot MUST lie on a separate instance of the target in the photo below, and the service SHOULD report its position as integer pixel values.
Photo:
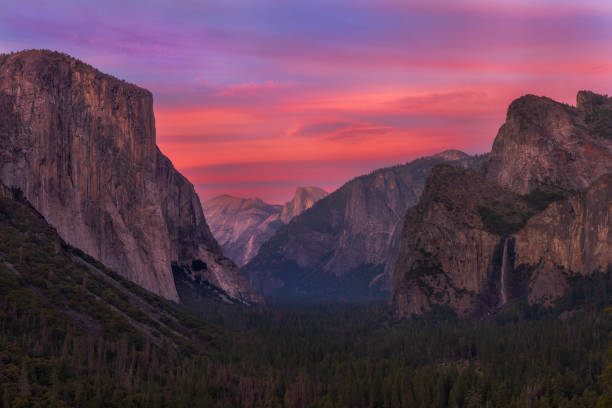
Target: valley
(449, 280)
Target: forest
(73, 333)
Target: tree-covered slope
(72, 331)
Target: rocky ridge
(537, 213)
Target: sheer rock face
(543, 141)
(538, 212)
(345, 246)
(446, 253)
(572, 236)
(451, 256)
(81, 146)
(242, 225)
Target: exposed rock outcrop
(303, 199)
(242, 225)
(81, 146)
(345, 246)
(537, 213)
(543, 141)
(572, 236)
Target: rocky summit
(537, 214)
(242, 225)
(345, 246)
(81, 147)
(547, 142)
(303, 199)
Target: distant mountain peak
(309, 190)
(242, 225)
(450, 154)
(304, 198)
(231, 203)
(345, 246)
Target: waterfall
(502, 292)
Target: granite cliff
(242, 225)
(543, 141)
(344, 247)
(537, 214)
(81, 147)
(303, 199)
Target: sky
(256, 97)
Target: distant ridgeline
(521, 221)
(345, 246)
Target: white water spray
(504, 266)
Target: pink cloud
(250, 88)
(285, 93)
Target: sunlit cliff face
(256, 97)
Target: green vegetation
(350, 355)
(599, 122)
(605, 401)
(502, 220)
(506, 218)
(541, 197)
(71, 335)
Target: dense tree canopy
(70, 336)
